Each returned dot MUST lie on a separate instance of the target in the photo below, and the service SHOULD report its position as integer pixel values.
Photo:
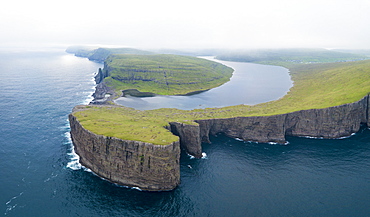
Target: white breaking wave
(9, 206)
(89, 98)
(270, 143)
(135, 188)
(204, 156)
(276, 143)
(312, 137)
(191, 156)
(345, 137)
(74, 162)
(319, 137)
(91, 92)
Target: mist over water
(307, 177)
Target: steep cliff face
(368, 111)
(130, 163)
(99, 77)
(333, 122)
(189, 137)
(258, 129)
(103, 94)
(156, 168)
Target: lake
(250, 84)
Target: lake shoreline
(256, 83)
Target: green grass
(291, 55)
(125, 123)
(164, 74)
(315, 86)
(102, 54)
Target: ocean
(40, 176)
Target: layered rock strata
(156, 167)
(129, 163)
(189, 137)
(332, 122)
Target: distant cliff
(101, 54)
(129, 163)
(103, 94)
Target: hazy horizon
(187, 25)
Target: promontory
(142, 148)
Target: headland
(328, 101)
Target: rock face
(332, 122)
(156, 168)
(103, 94)
(99, 77)
(189, 137)
(129, 163)
(257, 129)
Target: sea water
(40, 176)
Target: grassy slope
(165, 74)
(102, 54)
(315, 86)
(291, 55)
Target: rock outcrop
(103, 94)
(189, 137)
(99, 77)
(129, 163)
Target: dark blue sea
(39, 175)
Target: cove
(250, 84)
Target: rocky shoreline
(156, 167)
(329, 123)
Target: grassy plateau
(164, 74)
(315, 86)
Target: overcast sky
(188, 24)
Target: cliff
(129, 163)
(103, 94)
(328, 123)
(156, 167)
(190, 140)
(101, 54)
(315, 86)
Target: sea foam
(204, 156)
(74, 160)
